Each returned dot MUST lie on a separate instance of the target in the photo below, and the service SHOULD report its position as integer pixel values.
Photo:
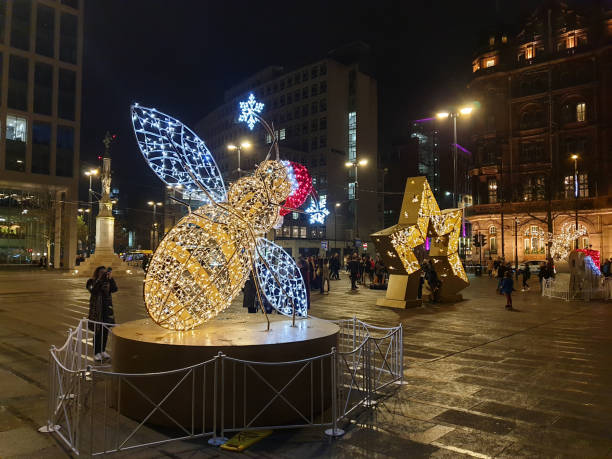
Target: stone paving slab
(481, 381)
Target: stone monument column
(105, 225)
(105, 222)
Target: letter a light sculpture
(421, 218)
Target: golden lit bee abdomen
(197, 270)
(203, 262)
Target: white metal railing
(560, 288)
(86, 396)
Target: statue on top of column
(106, 206)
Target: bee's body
(203, 262)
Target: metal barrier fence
(555, 288)
(87, 399)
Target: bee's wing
(280, 279)
(176, 154)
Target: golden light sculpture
(421, 218)
(203, 262)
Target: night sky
(179, 56)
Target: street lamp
(91, 173)
(463, 111)
(336, 224)
(154, 228)
(356, 164)
(576, 191)
(232, 147)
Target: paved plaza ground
(481, 381)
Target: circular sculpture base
(243, 390)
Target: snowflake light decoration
(249, 111)
(317, 211)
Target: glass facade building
(40, 106)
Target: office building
(40, 109)
(542, 137)
(325, 114)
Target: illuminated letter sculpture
(421, 218)
(203, 262)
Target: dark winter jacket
(100, 300)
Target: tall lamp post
(576, 193)
(464, 111)
(91, 173)
(336, 224)
(154, 228)
(516, 243)
(238, 148)
(356, 164)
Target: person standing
(334, 267)
(431, 276)
(526, 275)
(249, 295)
(507, 287)
(353, 267)
(324, 267)
(101, 286)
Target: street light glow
(465, 110)
(232, 147)
(338, 204)
(574, 157)
(363, 162)
(245, 145)
(441, 115)
(349, 164)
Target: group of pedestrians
(366, 269)
(504, 273)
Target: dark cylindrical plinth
(243, 390)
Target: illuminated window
(16, 137)
(529, 52)
(491, 41)
(282, 134)
(351, 190)
(16, 128)
(492, 190)
(571, 41)
(492, 230)
(303, 233)
(295, 215)
(476, 66)
(493, 244)
(581, 111)
(352, 136)
(569, 186)
(584, 242)
(490, 62)
(504, 39)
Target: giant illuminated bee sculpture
(203, 262)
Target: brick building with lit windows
(325, 114)
(546, 116)
(40, 109)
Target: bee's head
(274, 176)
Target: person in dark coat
(431, 276)
(334, 267)
(101, 286)
(507, 287)
(354, 267)
(249, 295)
